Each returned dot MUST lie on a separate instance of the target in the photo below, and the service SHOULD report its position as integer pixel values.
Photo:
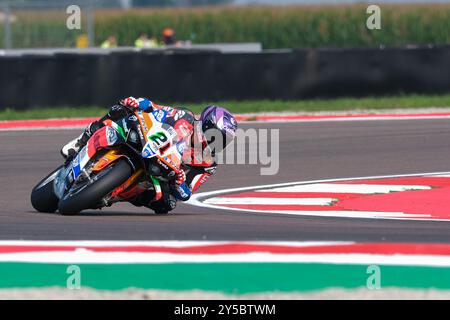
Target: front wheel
(90, 193)
(43, 197)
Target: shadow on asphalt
(113, 214)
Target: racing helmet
(219, 126)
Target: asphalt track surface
(308, 151)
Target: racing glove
(130, 102)
(122, 109)
(117, 111)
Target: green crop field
(274, 27)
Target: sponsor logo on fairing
(111, 136)
(172, 133)
(76, 161)
(76, 166)
(144, 125)
(179, 114)
(159, 139)
(147, 152)
(80, 161)
(160, 115)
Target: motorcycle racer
(198, 162)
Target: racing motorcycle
(121, 160)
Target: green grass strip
(238, 278)
(313, 105)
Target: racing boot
(167, 202)
(162, 206)
(71, 149)
(142, 198)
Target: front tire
(91, 195)
(43, 197)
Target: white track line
(198, 199)
(84, 255)
(346, 188)
(393, 118)
(164, 243)
(339, 213)
(277, 201)
(89, 257)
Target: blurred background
(274, 24)
(219, 50)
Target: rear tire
(92, 194)
(43, 197)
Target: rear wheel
(89, 193)
(43, 197)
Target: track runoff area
(252, 267)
